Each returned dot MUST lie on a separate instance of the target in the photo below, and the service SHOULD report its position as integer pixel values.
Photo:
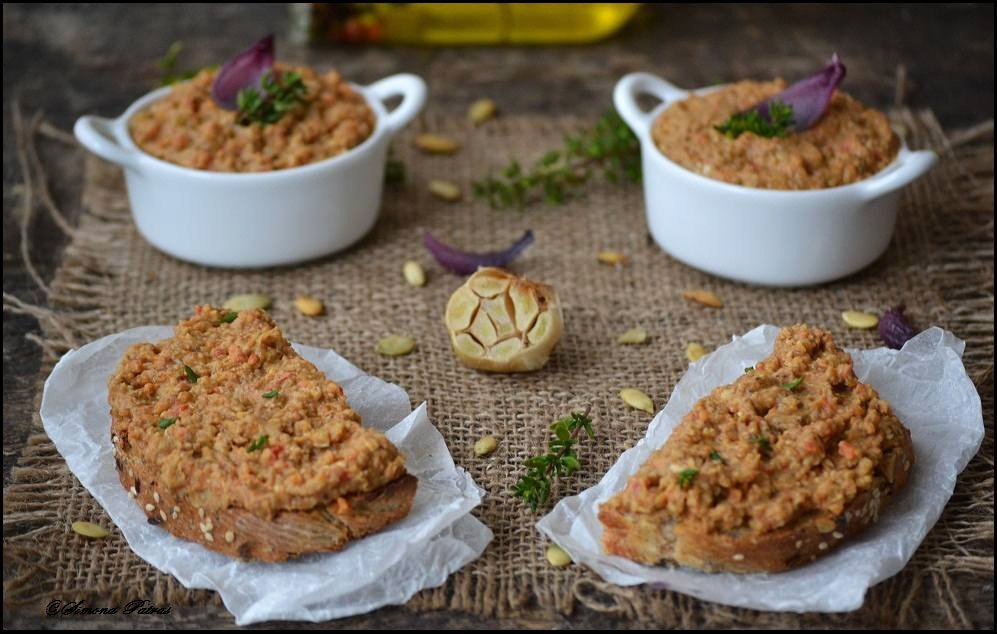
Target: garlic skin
(499, 322)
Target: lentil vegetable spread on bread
(767, 473)
(226, 436)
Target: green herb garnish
(610, 147)
(168, 66)
(716, 457)
(749, 369)
(166, 422)
(280, 93)
(778, 123)
(191, 375)
(686, 476)
(271, 394)
(394, 171)
(764, 445)
(259, 443)
(229, 317)
(561, 459)
(792, 385)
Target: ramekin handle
(635, 84)
(912, 166)
(412, 90)
(95, 134)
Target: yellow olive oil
(459, 24)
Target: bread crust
(655, 535)
(195, 473)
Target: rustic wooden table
(68, 60)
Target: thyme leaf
(258, 444)
(191, 375)
(279, 94)
(609, 148)
(560, 460)
(764, 444)
(686, 476)
(163, 423)
(271, 394)
(777, 124)
(792, 385)
(229, 317)
(715, 456)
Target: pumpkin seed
(436, 144)
(414, 273)
(637, 399)
(89, 529)
(248, 301)
(445, 190)
(613, 258)
(694, 351)
(557, 556)
(309, 306)
(395, 345)
(481, 110)
(632, 336)
(858, 319)
(706, 298)
(485, 446)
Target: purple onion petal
(467, 262)
(242, 71)
(894, 328)
(808, 97)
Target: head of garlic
(503, 323)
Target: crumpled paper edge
(898, 534)
(438, 544)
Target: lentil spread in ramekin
(850, 142)
(188, 128)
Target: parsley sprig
(561, 459)
(610, 147)
(778, 123)
(279, 94)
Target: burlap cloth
(940, 264)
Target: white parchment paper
(420, 551)
(929, 390)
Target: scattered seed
(89, 529)
(395, 345)
(445, 190)
(248, 301)
(150, 507)
(637, 399)
(481, 110)
(229, 536)
(155, 496)
(706, 298)
(162, 514)
(858, 319)
(613, 258)
(414, 273)
(633, 336)
(209, 537)
(694, 351)
(557, 556)
(485, 446)
(436, 144)
(309, 306)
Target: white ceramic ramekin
(762, 236)
(262, 218)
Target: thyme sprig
(169, 73)
(609, 148)
(279, 93)
(561, 459)
(778, 122)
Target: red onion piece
(808, 97)
(894, 328)
(242, 71)
(467, 262)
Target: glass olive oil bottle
(456, 24)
